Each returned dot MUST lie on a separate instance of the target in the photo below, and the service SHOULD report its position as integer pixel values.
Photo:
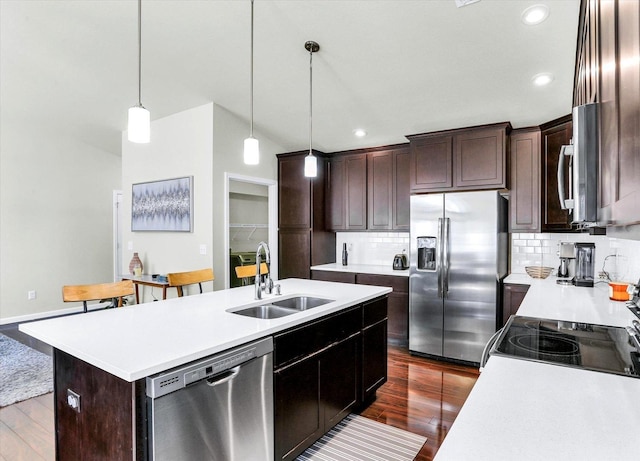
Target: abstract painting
(165, 205)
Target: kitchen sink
(283, 307)
(302, 303)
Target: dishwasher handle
(223, 377)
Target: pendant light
(251, 145)
(139, 126)
(310, 161)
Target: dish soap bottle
(345, 255)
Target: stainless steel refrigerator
(459, 253)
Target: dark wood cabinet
(465, 159)
(525, 198)
(318, 373)
(111, 418)
(513, 294)
(607, 71)
(332, 276)
(347, 192)
(554, 135)
(303, 240)
(388, 189)
(398, 305)
(374, 347)
(431, 163)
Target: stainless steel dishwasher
(219, 408)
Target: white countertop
(530, 411)
(136, 341)
(362, 269)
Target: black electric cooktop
(580, 345)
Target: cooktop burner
(581, 345)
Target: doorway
(250, 216)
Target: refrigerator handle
(439, 260)
(445, 257)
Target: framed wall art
(165, 206)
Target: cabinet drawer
(374, 311)
(399, 283)
(312, 337)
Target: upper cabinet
(524, 200)
(466, 159)
(608, 72)
(368, 189)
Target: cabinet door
(380, 190)
(336, 178)
(298, 421)
(374, 358)
(524, 200)
(431, 166)
(294, 253)
(294, 193)
(513, 296)
(401, 193)
(398, 319)
(554, 218)
(627, 186)
(479, 159)
(356, 191)
(339, 367)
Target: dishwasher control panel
(178, 378)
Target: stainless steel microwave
(583, 167)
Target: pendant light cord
(310, 98)
(251, 92)
(140, 53)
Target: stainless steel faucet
(268, 284)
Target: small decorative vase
(135, 266)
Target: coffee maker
(585, 264)
(567, 253)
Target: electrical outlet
(73, 400)
(31, 294)
(203, 248)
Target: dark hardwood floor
(421, 396)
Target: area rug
(359, 438)
(24, 372)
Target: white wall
(56, 197)
(203, 142)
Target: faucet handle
(277, 289)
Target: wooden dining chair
(97, 291)
(244, 273)
(181, 279)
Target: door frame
(272, 191)
(117, 234)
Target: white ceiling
(394, 67)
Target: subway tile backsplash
(542, 250)
(527, 249)
(377, 248)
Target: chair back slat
(180, 279)
(97, 291)
(250, 271)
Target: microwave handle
(565, 151)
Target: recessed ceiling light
(535, 14)
(359, 132)
(542, 79)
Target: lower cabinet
(323, 370)
(513, 295)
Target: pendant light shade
(139, 126)
(251, 151)
(310, 161)
(251, 144)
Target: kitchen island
(105, 356)
(530, 411)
